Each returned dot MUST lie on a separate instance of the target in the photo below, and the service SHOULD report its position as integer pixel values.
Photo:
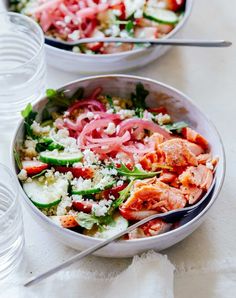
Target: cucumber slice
(91, 190)
(119, 224)
(60, 158)
(46, 195)
(159, 15)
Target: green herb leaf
(17, 159)
(129, 27)
(29, 116)
(177, 126)
(123, 196)
(58, 98)
(26, 112)
(135, 172)
(138, 98)
(111, 103)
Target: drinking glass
(11, 224)
(22, 65)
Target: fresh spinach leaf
(111, 103)
(138, 98)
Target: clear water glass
(22, 65)
(11, 223)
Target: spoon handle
(90, 250)
(164, 42)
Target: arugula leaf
(58, 98)
(138, 98)
(123, 195)
(111, 103)
(129, 27)
(17, 159)
(135, 173)
(177, 126)
(29, 116)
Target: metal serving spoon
(164, 42)
(167, 216)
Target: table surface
(206, 260)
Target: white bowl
(181, 108)
(92, 64)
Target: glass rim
(15, 188)
(39, 31)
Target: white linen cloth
(148, 276)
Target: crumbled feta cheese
(101, 208)
(90, 115)
(67, 19)
(22, 175)
(209, 165)
(124, 114)
(110, 111)
(124, 34)
(75, 35)
(111, 128)
(39, 130)
(139, 166)
(107, 171)
(64, 203)
(163, 119)
(61, 24)
(116, 12)
(90, 157)
(138, 14)
(115, 30)
(120, 182)
(82, 184)
(29, 149)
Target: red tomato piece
(34, 167)
(77, 172)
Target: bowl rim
(73, 234)
(130, 52)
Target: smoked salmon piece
(199, 176)
(177, 153)
(193, 136)
(192, 193)
(152, 228)
(151, 194)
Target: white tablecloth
(205, 261)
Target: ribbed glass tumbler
(11, 224)
(22, 65)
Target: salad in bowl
(71, 20)
(94, 161)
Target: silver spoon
(170, 215)
(164, 42)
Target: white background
(205, 261)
